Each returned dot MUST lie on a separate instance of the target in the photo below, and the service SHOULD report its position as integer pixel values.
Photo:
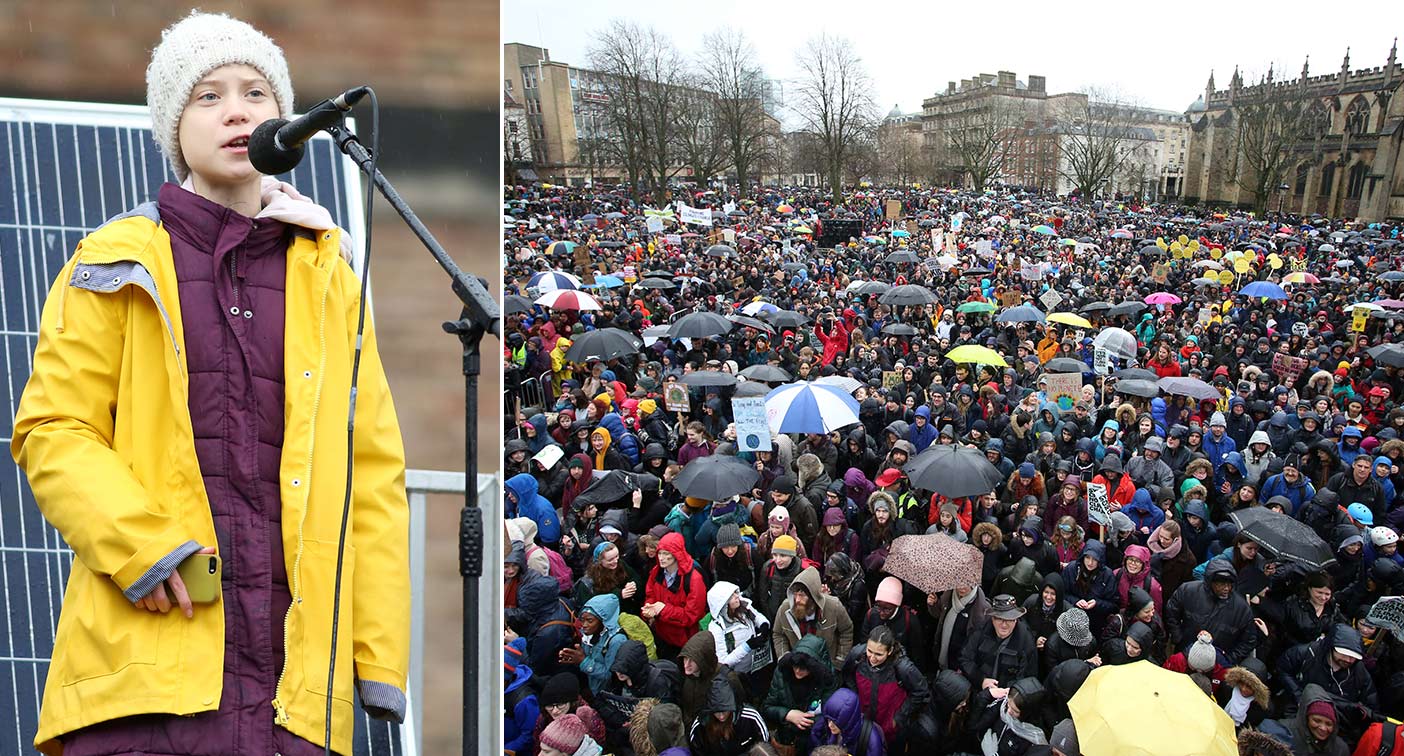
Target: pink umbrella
(1162, 298)
(1122, 233)
(1393, 304)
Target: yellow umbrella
(977, 354)
(1140, 709)
(1068, 318)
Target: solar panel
(68, 167)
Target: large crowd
(1232, 414)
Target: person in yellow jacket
(561, 368)
(189, 395)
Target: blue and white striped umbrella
(809, 408)
(552, 280)
(756, 308)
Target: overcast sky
(1158, 53)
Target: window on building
(1355, 181)
(1302, 171)
(1328, 179)
(1357, 119)
(507, 85)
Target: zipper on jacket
(280, 710)
(234, 281)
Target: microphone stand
(479, 316)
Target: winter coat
(522, 706)
(986, 655)
(1098, 586)
(1143, 511)
(1296, 733)
(1299, 493)
(103, 432)
(832, 623)
(735, 639)
(1195, 607)
(532, 504)
(1300, 623)
(600, 653)
(748, 727)
(787, 693)
(1145, 580)
(844, 710)
(1310, 663)
(685, 602)
(891, 695)
(647, 679)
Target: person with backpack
(1381, 739)
(807, 610)
(893, 692)
(802, 680)
(600, 639)
(889, 609)
(776, 574)
(522, 498)
(732, 559)
(675, 598)
(633, 678)
(841, 722)
(520, 706)
(725, 726)
(535, 607)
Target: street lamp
(1281, 197)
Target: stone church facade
(1348, 163)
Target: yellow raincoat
(104, 434)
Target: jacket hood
(1143, 635)
(809, 468)
(718, 596)
(860, 436)
(1141, 501)
(1196, 507)
(702, 649)
(606, 607)
(1110, 423)
(619, 518)
(720, 696)
(809, 580)
(812, 653)
(897, 428)
(845, 711)
(522, 529)
(517, 555)
(1097, 550)
(1260, 437)
(887, 499)
(631, 660)
(524, 487)
(1219, 567)
(654, 450)
(1088, 445)
(673, 544)
(924, 412)
(1347, 637)
(1140, 552)
(1055, 581)
(1235, 460)
(994, 445)
(1352, 432)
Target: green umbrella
(976, 307)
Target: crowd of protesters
(645, 621)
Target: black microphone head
(266, 155)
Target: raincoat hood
(718, 596)
(844, 710)
(673, 544)
(809, 580)
(606, 607)
(1097, 550)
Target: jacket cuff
(382, 701)
(160, 571)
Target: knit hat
(1064, 738)
(1136, 600)
(778, 516)
(1217, 419)
(786, 545)
(728, 535)
(193, 47)
(833, 516)
(647, 407)
(564, 734)
(561, 688)
(1322, 708)
(890, 590)
(1201, 656)
(1075, 627)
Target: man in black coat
(1333, 662)
(1001, 651)
(1211, 604)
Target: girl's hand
(629, 590)
(158, 601)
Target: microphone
(276, 146)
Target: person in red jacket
(675, 598)
(1164, 363)
(834, 339)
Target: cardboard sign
(674, 240)
(912, 228)
(1011, 298)
(1050, 300)
(891, 378)
(1064, 388)
(984, 248)
(1358, 321)
(938, 240)
(654, 224)
(1101, 360)
(1288, 367)
(582, 256)
(752, 432)
(1098, 505)
(1206, 315)
(893, 209)
(1160, 273)
(675, 397)
(729, 235)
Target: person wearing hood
(802, 680)
(602, 451)
(675, 598)
(1145, 515)
(1029, 543)
(560, 697)
(987, 537)
(807, 610)
(658, 729)
(1198, 533)
(1148, 470)
(922, 433)
(1238, 423)
(523, 498)
(841, 722)
(1176, 455)
(1067, 501)
(740, 634)
(1334, 662)
(1138, 644)
(1084, 458)
(1043, 608)
(520, 705)
(1258, 457)
(1135, 572)
(524, 529)
(516, 457)
(533, 604)
(1009, 726)
(634, 678)
(724, 726)
(1109, 435)
(1212, 605)
(1245, 696)
(698, 662)
(1217, 444)
(1090, 584)
(600, 640)
(834, 537)
(1348, 448)
(894, 690)
(654, 460)
(1314, 730)
(1120, 489)
(858, 454)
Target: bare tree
(702, 145)
(640, 73)
(1267, 129)
(833, 99)
(976, 144)
(1097, 138)
(899, 154)
(729, 69)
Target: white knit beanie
(191, 48)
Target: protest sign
(1011, 298)
(957, 221)
(675, 397)
(1160, 273)
(1098, 505)
(752, 432)
(891, 378)
(1101, 361)
(696, 216)
(1358, 321)
(1064, 388)
(654, 224)
(1050, 300)
(984, 248)
(893, 209)
(1288, 367)
(1206, 315)
(729, 235)
(673, 239)
(938, 241)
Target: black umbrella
(1129, 307)
(655, 283)
(767, 373)
(721, 250)
(871, 287)
(717, 477)
(1136, 387)
(1096, 307)
(658, 274)
(1389, 355)
(615, 486)
(1065, 365)
(1284, 537)
(699, 325)
(1191, 387)
(610, 244)
(785, 318)
(908, 294)
(953, 471)
(747, 320)
(1393, 275)
(901, 256)
(514, 303)
(709, 378)
(603, 344)
(794, 266)
(751, 388)
(1136, 374)
(899, 329)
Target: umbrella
(550, 280)
(766, 373)
(717, 477)
(899, 329)
(559, 248)
(785, 318)
(802, 230)
(655, 283)
(810, 408)
(1044, 230)
(610, 244)
(750, 322)
(1137, 387)
(513, 303)
(1190, 387)
(1393, 304)
(1163, 298)
(1129, 307)
(658, 273)
(699, 325)
(603, 344)
(1141, 708)
(1121, 233)
(969, 307)
(616, 485)
(1300, 277)
(568, 299)
(721, 250)
(1065, 365)
(1068, 318)
(901, 256)
(794, 265)
(974, 353)
(1393, 275)
(953, 470)
(1389, 355)
(899, 234)
(754, 309)
(869, 287)
(1118, 341)
(1021, 314)
(606, 282)
(908, 294)
(751, 388)
(1284, 537)
(1136, 374)
(652, 334)
(849, 385)
(1096, 307)
(709, 378)
(934, 563)
(1263, 289)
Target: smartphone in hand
(201, 575)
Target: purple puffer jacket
(231, 271)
